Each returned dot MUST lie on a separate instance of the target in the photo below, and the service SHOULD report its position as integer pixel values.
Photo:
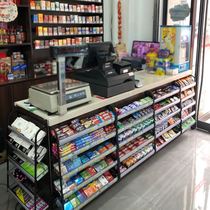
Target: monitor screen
(141, 48)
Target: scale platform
(46, 96)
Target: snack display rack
(92, 152)
(28, 163)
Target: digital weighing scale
(62, 94)
(46, 96)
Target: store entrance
(204, 72)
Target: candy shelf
(94, 160)
(168, 129)
(54, 12)
(15, 45)
(86, 131)
(167, 106)
(188, 97)
(188, 106)
(136, 150)
(65, 24)
(189, 127)
(97, 194)
(189, 116)
(69, 193)
(188, 87)
(135, 123)
(137, 164)
(134, 110)
(168, 117)
(67, 157)
(167, 96)
(166, 143)
(121, 144)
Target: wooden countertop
(150, 82)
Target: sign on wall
(9, 11)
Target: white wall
(137, 20)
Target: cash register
(106, 77)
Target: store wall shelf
(66, 24)
(20, 135)
(188, 116)
(84, 149)
(167, 96)
(65, 36)
(67, 176)
(168, 129)
(15, 45)
(137, 164)
(188, 87)
(167, 107)
(55, 12)
(188, 106)
(168, 117)
(21, 185)
(136, 150)
(121, 144)
(135, 123)
(69, 193)
(86, 131)
(166, 143)
(188, 97)
(97, 194)
(134, 111)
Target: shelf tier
(84, 149)
(97, 194)
(67, 176)
(66, 24)
(189, 106)
(169, 141)
(69, 193)
(167, 96)
(15, 45)
(21, 153)
(136, 150)
(188, 87)
(65, 36)
(168, 129)
(167, 107)
(188, 128)
(189, 116)
(121, 144)
(134, 111)
(86, 131)
(137, 164)
(20, 202)
(21, 185)
(20, 135)
(54, 12)
(25, 173)
(168, 117)
(135, 123)
(188, 97)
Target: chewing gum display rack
(91, 153)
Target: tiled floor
(177, 178)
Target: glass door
(202, 57)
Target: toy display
(177, 39)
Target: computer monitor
(141, 48)
(100, 53)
